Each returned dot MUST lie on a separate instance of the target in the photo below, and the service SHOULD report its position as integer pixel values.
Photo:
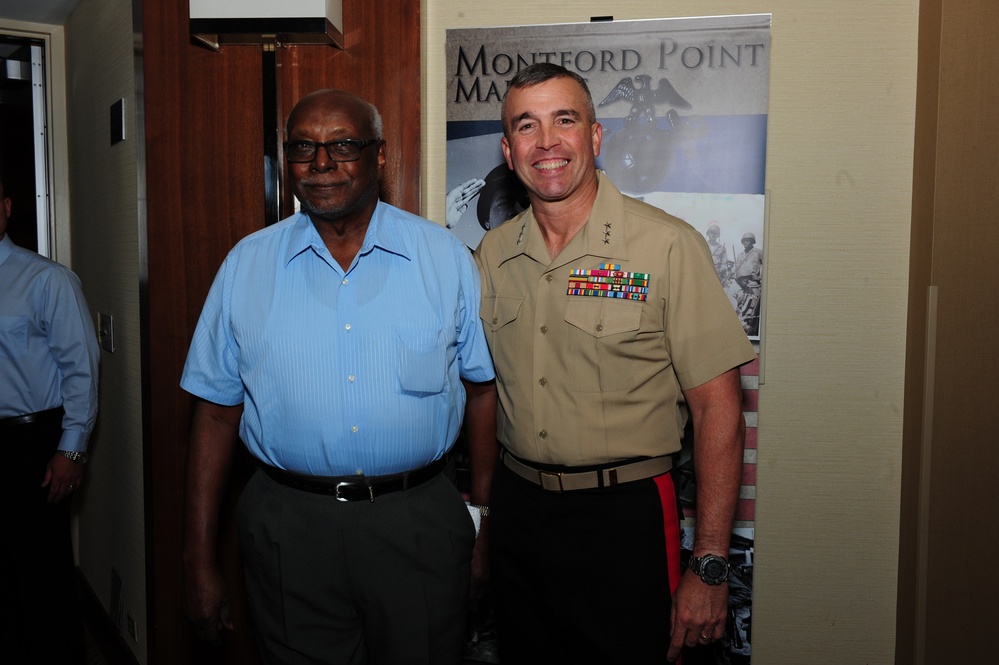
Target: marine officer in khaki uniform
(608, 329)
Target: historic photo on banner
(683, 104)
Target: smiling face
(551, 141)
(335, 190)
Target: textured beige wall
(104, 218)
(839, 175)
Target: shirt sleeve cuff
(73, 441)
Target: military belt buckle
(551, 481)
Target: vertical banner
(683, 104)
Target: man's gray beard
(335, 211)
(331, 212)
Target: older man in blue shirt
(340, 342)
(48, 404)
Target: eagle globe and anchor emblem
(637, 157)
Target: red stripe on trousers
(671, 527)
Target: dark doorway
(18, 137)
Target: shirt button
(548, 278)
(543, 434)
(544, 329)
(354, 428)
(347, 327)
(344, 281)
(495, 320)
(351, 378)
(600, 327)
(543, 381)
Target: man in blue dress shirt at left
(339, 344)
(48, 405)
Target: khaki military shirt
(587, 379)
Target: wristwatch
(711, 568)
(73, 456)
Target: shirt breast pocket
(422, 361)
(604, 332)
(500, 315)
(13, 337)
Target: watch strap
(74, 456)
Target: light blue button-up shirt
(343, 373)
(48, 347)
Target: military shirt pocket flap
(498, 311)
(601, 317)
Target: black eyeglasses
(344, 150)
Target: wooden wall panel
(380, 62)
(910, 606)
(962, 496)
(204, 152)
(950, 504)
(205, 191)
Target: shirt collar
(6, 247)
(603, 235)
(382, 233)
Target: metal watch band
(74, 456)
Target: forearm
(480, 431)
(483, 451)
(717, 496)
(209, 458)
(699, 608)
(719, 439)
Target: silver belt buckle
(551, 481)
(371, 491)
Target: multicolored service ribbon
(609, 281)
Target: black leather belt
(30, 418)
(568, 480)
(357, 488)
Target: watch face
(714, 569)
